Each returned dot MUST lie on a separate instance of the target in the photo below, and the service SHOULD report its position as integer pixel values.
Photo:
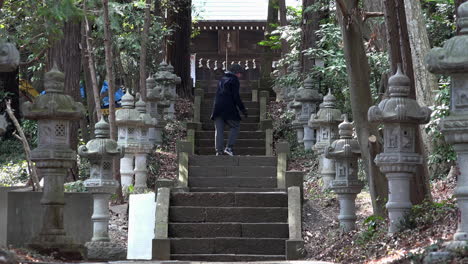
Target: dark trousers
(234, 126)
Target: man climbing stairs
(234, 208)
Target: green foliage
(373, 225)
(77, 186)
(13, 173)
(427, 213)
(440, 22)
(443, 155)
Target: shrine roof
(234, 10)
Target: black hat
(236, 68)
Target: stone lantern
(296, 108)
(101, 152)
(452, 60)
(309, 98)
(144, 145)
(325, 122)
(401, 117)
(166, 81)
(346, 152)
(152, 109)
(53, 156)
(128, 122)
(9, 57)
(174, 81)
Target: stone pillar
(101, 152)
(264, 95)
(128, 122)
(401, 117)
(326, 123)
(309, 98)
(144, 145)
(53, 157)
(282, 151)
(267, 126)
(452, 60)
(184, 148)
(197, 102)
(345, 152)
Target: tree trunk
(90, 72)
(358, 75)
(310, 23)
(111, 80)
(66, 54)
(178, 51)
(144, 49)
(283, 23)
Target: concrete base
(438, 258)
(295, 249)
(161, 249)
(22, 214)
(105, 251)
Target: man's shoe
(219, 153)
(229, 151)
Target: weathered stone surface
(228, 214)
(53, 157)
(161, 249)
(262, 182)
(271, 246)
(106, 251)
(203, 199)
(227, 257)
(452, 60)
(9, 58)
(295, 249)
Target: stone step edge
(227, 207)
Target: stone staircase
(251, 140)
(229, 208)
(233, 211)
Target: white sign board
(141, 219)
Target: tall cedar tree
(66, 53)
(178, 46)
(144, 49)
(111, 81)
(310, 23)
(357, 66)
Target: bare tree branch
(366, 15)
(27, 150)
(31, 40)
(38, 57)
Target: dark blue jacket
(227, 102)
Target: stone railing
(184, 150)
(282, 151)
(295, 243)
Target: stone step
(234, 189)
(227, 257)
(249, 172)
(206, 111)
(242, 134)
(191, 214)
(259, 230)
(257, 246)
(243, 126)
(251, 182)
(250, 119)
(239, 143)
(230, 199)
(213, 160)
(252, 151)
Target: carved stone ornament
(401, 117)
(346, 152)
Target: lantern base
(98, 250)
(58, 246)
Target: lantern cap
(399, 84)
